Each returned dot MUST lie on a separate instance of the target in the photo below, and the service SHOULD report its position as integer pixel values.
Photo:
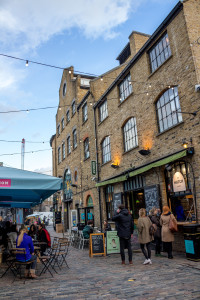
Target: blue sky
(88, 34)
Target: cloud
(27, 24)
(46, 170)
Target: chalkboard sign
(152, 197)
(97, 244)
(117, 200)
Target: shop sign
(93, 167)
(5, 182)
(178, 183)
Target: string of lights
(6, 141)
(19, 153)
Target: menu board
(97, 244)
(152, 197)
(117, 200)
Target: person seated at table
(44, 238)
(88, 229)
(12, 236)
(25, 241)
(32, 231)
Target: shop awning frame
(143, 169)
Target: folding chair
(18, 264)
(83, 241)
(63, 251)
(48, 260)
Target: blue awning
(25, 189)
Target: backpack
(47, 237)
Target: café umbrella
(25, 189)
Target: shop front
(86, 213)
(181, 191)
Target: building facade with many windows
(134, 127)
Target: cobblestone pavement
(106, 278)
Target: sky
(86, 34)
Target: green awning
(156, 164)
(159, 163)
(114, 180)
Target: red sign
(5, 182)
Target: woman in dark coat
(155, 219)
(32, 231)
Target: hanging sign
(178, 182)
(93, 167)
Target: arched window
(86, 148)
(130, 134)
(74, 138)
(168, 109)
(106, 152)
(90, 202)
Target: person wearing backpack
(43, 237)
(144, 236)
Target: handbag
(172, 225)
(152, 229)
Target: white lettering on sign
(5, 182)
(178, 182)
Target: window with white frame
(63, 150)
(159, 52)
(168, 109)
(73, 108)
(67, 116)
(106, 151)
(103, 111)
(74, 138)
(59, 155)
(125, 88)
(130, 134)
(84, 112)
(62, 123)
(86, 148)
(58, 129)
(68, 145)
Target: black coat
(125, 225)
(156, 220)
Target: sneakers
(147, 261)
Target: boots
(123, 262)
(26, 274)
(32, 273)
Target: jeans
(147, 253)
(34, 262)
(125, 243)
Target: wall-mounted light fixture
(185, 142)
(144, 152)
(114, 165)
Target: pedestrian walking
(144, 236)
(125, 227)
(155, 219)
(166, 233)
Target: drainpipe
(97, 162)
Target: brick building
(139, 121)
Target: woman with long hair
(32, 231)
(144, 236)
(167, 235)
(25, 241)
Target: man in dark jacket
(125, 227)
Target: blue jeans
(34, 262)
